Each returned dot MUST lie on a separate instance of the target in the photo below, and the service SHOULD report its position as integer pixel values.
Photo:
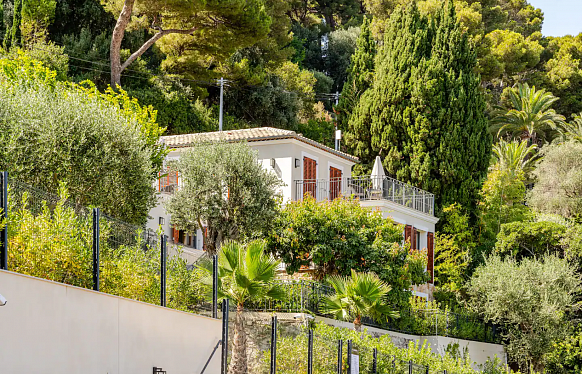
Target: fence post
(375, 363)
(273, 344)
(349, 356)
(96, 241)
(339, 356)
(427, 369)
(224, 355)
(410, 367)
(215, 286)
(310, 352)
(4, 215)
(163, 270)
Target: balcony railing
(367, 188)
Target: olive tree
(530, 299)
(558, 189)
(103, 146)
(225, 189)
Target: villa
(309, 167)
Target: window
(168, 181)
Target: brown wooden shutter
(413, 243)
(335, 185)
(175, 234)
(204, 237)
(309, 176)
(430, 255)
(408, 234)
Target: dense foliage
(425, 110)
(53, 240)
(530, 298)
(103, 146)
(558, 188)
(566, 357)
(340, 235)
(292, 354)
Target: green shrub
(104, 146)
(566, 357)
(292, 353)
(52, 239)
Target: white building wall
(50, 327)
(284, 152)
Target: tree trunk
(116, 39)
(358, 324)
(238, 363)
(119, 31)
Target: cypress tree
(424, 114)
(360, 75)
(15, 33)
(7, 16)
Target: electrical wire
(248, 87)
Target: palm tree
(530, 117)
(573, 130)
(245, 274)
(362, 295)
(515, 156)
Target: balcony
(367, 188)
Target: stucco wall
(48, 327)
(403, 215)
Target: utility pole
(221, 81)
(338, 133)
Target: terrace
(367, 188)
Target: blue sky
(561, 17)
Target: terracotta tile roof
(250, 135)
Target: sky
(561, 17)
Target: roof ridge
(254, 133)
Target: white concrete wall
(49, 327)
(404, 215)
(285, 151)
(478, 352)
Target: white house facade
(307, 167)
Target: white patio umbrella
(377, 174)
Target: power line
(248, 87)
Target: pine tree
(360, 75)
(424, 114)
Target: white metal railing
(367, 188)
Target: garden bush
(292, 354)
(52, 239)
(104, 146)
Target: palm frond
(277, 293)
(573, 130)
(530, 115)
(362, 294)
(515, 156)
